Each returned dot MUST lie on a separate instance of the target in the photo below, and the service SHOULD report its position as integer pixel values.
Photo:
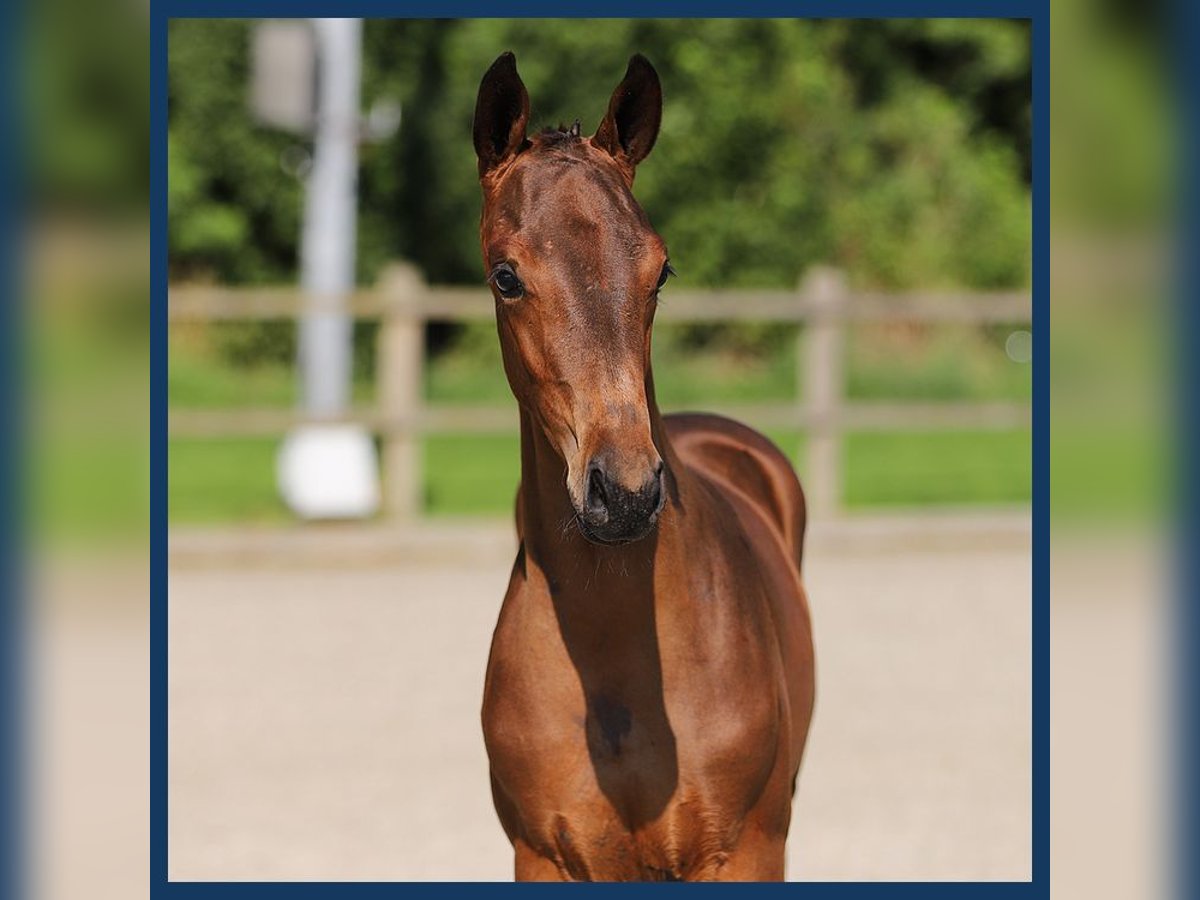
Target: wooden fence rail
(404, 304)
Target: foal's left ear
(501, 114)
(634, 113)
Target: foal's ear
(501, 114)
(634, 113)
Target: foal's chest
(628, 811)
(595, 844)
(625, 743)
(626, 786)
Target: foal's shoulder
(705, 432)
(741, 459)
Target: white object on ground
(329, 472)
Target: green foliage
(85, 135)
(233, 212)
(1114, 99)
(896, 149)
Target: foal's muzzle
(614, 514)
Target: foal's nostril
(597, 497)
(656, 489)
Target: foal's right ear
(634, 114)
(501, 114)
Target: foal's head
(576, 268)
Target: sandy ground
(324, 720)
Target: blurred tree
(85, 105)
(233, 210)
(898, 149)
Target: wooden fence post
(820, 366)
(401, 371)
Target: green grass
(213, 481)
(86, 452)
(197, 378)
(937, 468)
(193, 382)
(228, 480)
(478, 476)
(1115, 469)
(947, 362)
(471, 372)
(475, 476)
(883, 361)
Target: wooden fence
(403, 304)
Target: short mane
(549, 137)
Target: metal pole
(325, 469)
(327, 247)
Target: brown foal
(650, 683)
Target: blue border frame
(1184, 734)
(158, 449)
(1040, 885)
(1037, 12)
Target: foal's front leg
(532, 866)
(752, 863)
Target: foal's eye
(507, 283)
(666, 273)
